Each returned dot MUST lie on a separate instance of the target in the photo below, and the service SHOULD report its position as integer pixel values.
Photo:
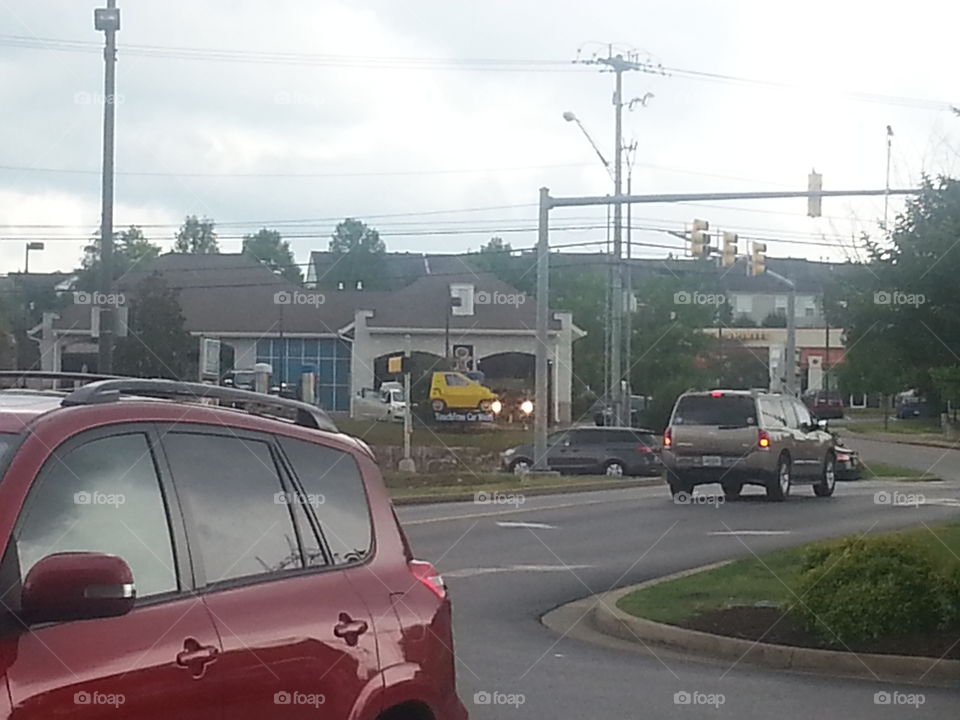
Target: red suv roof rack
(110, 388)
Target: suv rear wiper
(731, 427)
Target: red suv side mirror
(77, 586)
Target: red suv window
(102, 496)
(230, 488)
(334, 489)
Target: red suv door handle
(349, 629)
(195, 656)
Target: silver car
(739, 437)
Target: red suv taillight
(763, 439)
(428, 575)
(667, 437)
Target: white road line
(473, 572)
(531, 525)
(470, 516)
(750, 532)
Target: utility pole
(618, 64)
(628, 329)
(407, 464)
(886, 197)
(108, 20)
(541, 412)
(616, 328)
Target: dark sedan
(593, 450)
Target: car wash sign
(463, 416)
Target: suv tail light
(428, 575)
(667, 437)
(763, 439)
(644, 449)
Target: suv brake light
(428, 575)
(667, 437)
(763, 439)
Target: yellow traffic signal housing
(700, 239)
(758, 259)
(729, 257)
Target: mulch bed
(755, 623)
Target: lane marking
(473, 572)
(750, 532)
(495, 513)
(519, 524)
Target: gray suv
(593, 450)
(738, 437)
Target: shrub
(950, 598)
(866, 588)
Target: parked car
(171, 559)
(454, 390)
(592, 450)
(824, 404)
(848, 465)
(913, 409)
(387, 403)
(739, 437)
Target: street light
(30, 246)
(107, 21)
(571, 117)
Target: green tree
(775, 319)
(497, 257)
(270, 248)
(158, 344)
(197, 237)
(131, 251)
(902, 313)
(360, 256)
(671, 353)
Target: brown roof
(233, 293)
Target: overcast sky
(327, 130)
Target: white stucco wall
(371, 343)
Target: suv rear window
(735, 410)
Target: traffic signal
(814, 185)
(758, 259)
(729, 257)
(700, 239)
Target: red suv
(167, 559)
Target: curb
(528, 492)
(608, 619)
(943, 444)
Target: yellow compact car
(456, 391)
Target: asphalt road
(507, 565)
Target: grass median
(750, 598)
(488, 437)
(436, 485)
(886, 471)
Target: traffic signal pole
(547, 203)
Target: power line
(437, 63)
(290, 175)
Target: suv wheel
(520, 466)
(828, 478)
(778, 488)
(614, 468)
(439, 405)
